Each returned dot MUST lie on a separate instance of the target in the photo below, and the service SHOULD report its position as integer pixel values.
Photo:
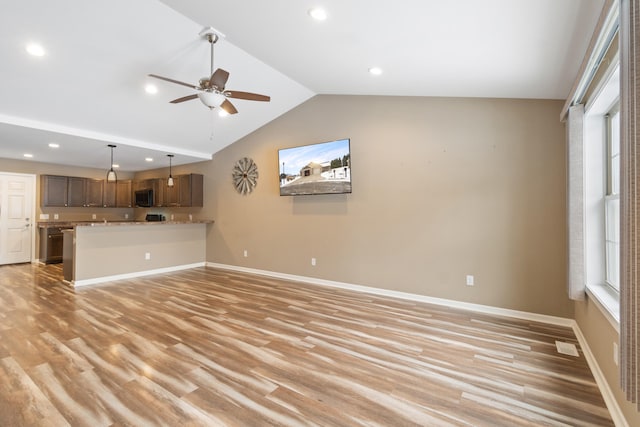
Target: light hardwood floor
(212, 347)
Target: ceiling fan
(211, 90)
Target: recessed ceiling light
(222, 113)
(375, 71)
(151, 89)
(54, 145)
(27, 155)
(318, 14)
(35, 49)
(148, 159)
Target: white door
(16, 222)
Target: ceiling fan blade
(174, 81)
(184, 98)
(228, 107)
(246, 95)
(219, 79)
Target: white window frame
(612, 198)
(595, 192)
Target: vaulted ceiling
(88, 90)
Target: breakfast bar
(96, 252)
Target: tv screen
(323, 168)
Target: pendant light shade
(111, 174)
(170, 179)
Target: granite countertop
(95, 223)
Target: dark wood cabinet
(93, 192)
(109, 195)
(172, 193)
(124, 194)
(75, 191)
(159, 186)
(88, 192)
(190, 190)
(53, 190)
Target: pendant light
(111, 175)
(170, 179)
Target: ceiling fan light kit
(211, 99)
(211, 90)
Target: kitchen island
(96, 252)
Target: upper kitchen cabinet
(53, 190)
(124, 194)
(190, 190)
(84, 192)
(75, 191)
(118, 194)
(172, 194)
(109, 195)
(70, 191)
(93, 192)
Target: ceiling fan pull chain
(212, 122)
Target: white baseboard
(86, 282)
(607, 394)
(561, 321)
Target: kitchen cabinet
(109, 195)
(124, 194)
(93, 192)
(172, 194)
(71, 191)
(53, 190)
(190, 190)
(84, 192)
(88, 192)
(118, 194)
(75, 191)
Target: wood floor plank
(207, 347)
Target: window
(612, 200)
(601, 193)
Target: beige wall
(442, 188)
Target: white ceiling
(88, 90)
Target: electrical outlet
(246, 253)
(56, 216)
(147, 256)
(469, 280)
(126, 216)
(313, 261)
(616, 355)
(94, 216)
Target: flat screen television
(321, 168)
(144, 198)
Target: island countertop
(95, 223)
